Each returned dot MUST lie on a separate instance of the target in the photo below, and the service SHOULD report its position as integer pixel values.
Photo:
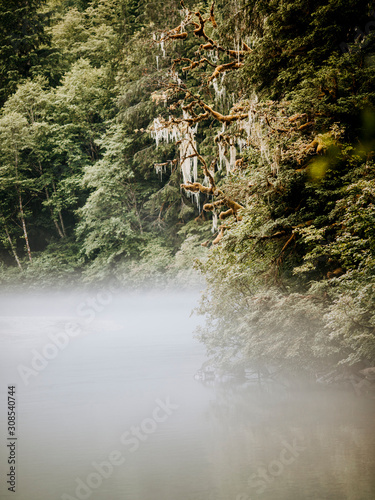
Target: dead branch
(179, 36)
(236, 53)
(206, 46)
(208, 207)
(233, 205)
(189, 107)
(219, 116)
(305, 126)
(199, 31)
(206, 170)
(175, 33)
(193, 64)
(190, 121)
(224, 68)
(276, 129)
(279, 258)
(212, 16)
(198, 101)
(219, 236)
(227, 213)
(195, 187)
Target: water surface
(115, 412)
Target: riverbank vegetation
(142, 139)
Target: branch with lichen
(210, 44)
(198, 101)
(198, 22)
(212, 189)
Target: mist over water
(108, 408)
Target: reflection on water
(114, 412)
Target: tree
(35, 103)
(274, 279)
(23, 41)
(14, 137)
(110, 223)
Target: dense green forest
(165, 142)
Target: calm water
(108, 409)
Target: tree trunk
(13, 248)
(49, 206)
(60, 214)
(52, 216)
(22, 216)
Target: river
(107, 408)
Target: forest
(225, 145)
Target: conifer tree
(23, 41)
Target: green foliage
(109, 224)
(57, 266)
(23, 42)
